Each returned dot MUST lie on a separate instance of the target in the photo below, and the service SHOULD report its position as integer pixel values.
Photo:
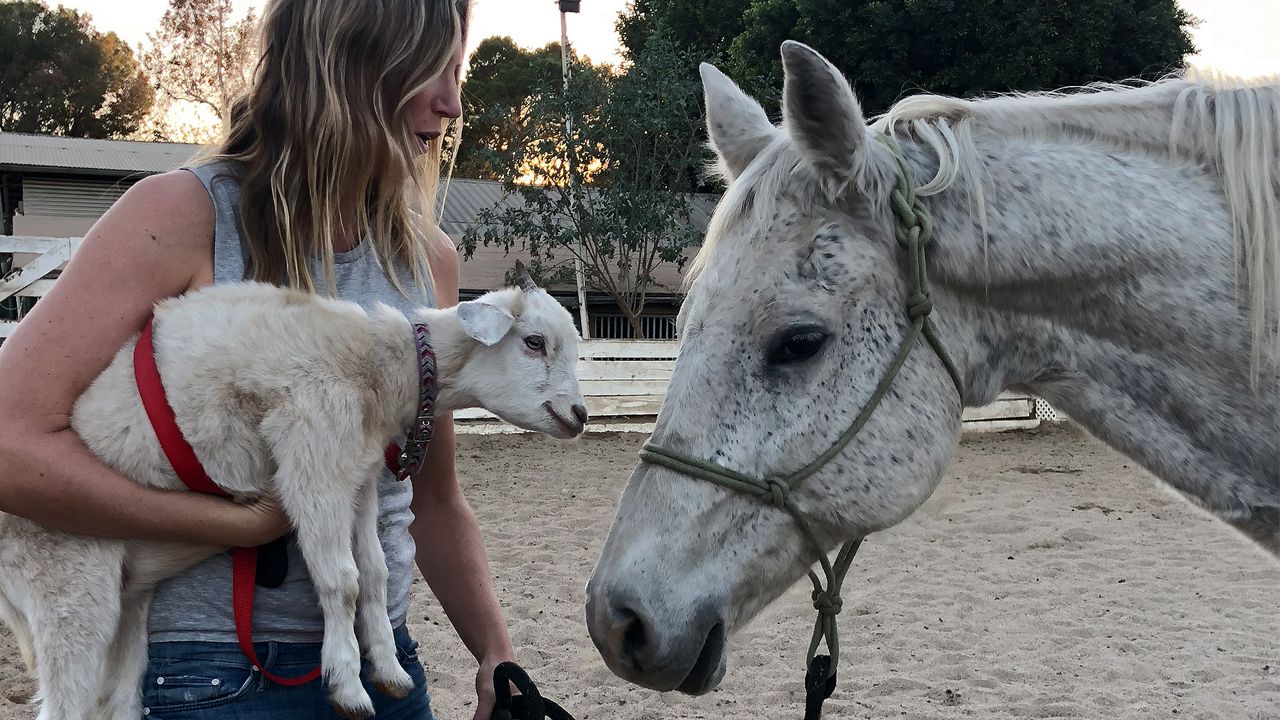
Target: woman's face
(438, 101)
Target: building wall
(69, 196)
(64, 206)
(44, 226)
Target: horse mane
(1228, 125)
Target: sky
(1237, 37)
(534, 23)
(531, 23)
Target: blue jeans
(214, 681)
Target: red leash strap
(244, 561)
(391, 455)
(244, 565)
(176, 448)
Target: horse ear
(821, 112)
(738, 127)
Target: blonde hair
(321, 140)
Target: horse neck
(1106, 283)
(1079, 242)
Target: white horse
(1113, 251)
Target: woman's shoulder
(442, 253)
(173, 202)
(181, 186)
(442, 250)
(171, 209)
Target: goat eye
(797, 345)
(535, 343)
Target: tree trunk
(634, 319)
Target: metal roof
(60, 155)
(75, 178)
(46, 153)
(466, 199)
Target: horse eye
(797, 345)
(535, 343)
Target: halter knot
(919, 305)
(778, 493)
(827, 604)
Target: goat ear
(484, 322)
(523, 279)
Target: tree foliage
(706, 28)
(500, 80)
(200, 56)
(60, 76)
(614, 193)
(890, 48)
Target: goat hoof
(395, 692)
(395, 683)
(354, 707)
(350, 714)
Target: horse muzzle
(682, 651)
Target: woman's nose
(448, 102)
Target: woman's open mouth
(425, 139)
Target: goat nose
(580, 412)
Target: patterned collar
(419, 433)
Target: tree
(60, 76)
(889, 49)
(705, 29)
(501, 79)
(892, 48)
(614, 194)
(202, 56)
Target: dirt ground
(1048, 577)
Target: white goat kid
(285, 393)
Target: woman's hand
(485, 696)
(257, 523)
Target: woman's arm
(451, 552)
(154, 243)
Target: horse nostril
(626, 632)
(580, 412)
(634, 636)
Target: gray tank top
(196, 605)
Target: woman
(324, 179)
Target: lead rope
(529, 704)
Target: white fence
(35, 259)
(615, 326)
(624, 381)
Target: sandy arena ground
(1048, 577)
